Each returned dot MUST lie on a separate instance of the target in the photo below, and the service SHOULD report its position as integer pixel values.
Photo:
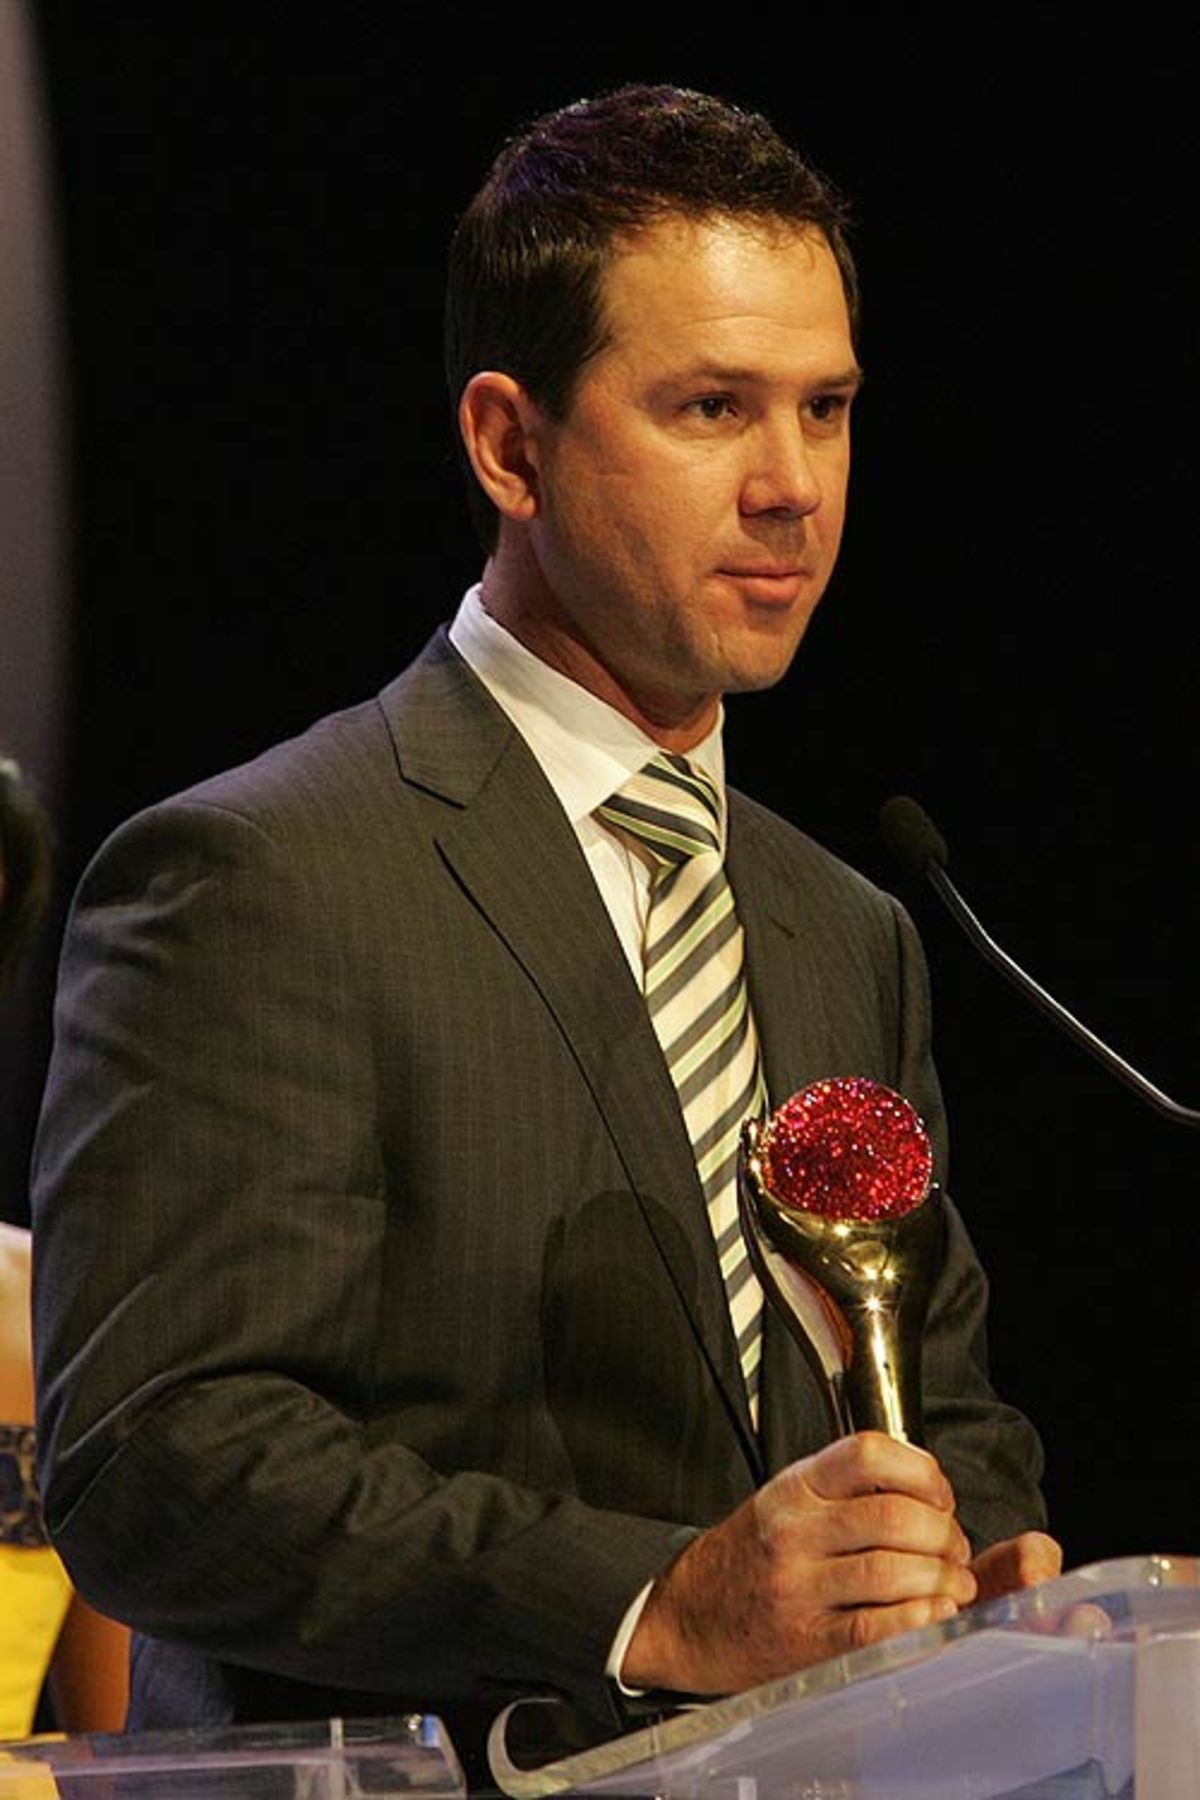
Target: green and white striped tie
(695, 989)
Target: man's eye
(712, 406)
(827, 408)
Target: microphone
(920, 848)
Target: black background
(254, 207)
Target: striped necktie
(696, 995)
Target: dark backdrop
(254, 209)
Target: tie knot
(669, 807)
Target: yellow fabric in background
(35, 1592)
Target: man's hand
(851, 1545)
(1019, 1562)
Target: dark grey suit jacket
(382, 1346)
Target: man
(387, 1355)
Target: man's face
(689, 508)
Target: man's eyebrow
(733, 376)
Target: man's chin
(756, 671)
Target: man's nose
(781, 476)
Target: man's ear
(497, 420)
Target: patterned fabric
(21, 1520)
(696, 995)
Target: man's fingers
(793, 1519)
(1038, 1558)
(855, 1630)
(868, 1461)
(884, 1579)
(893, 1522)
(1015, 1563)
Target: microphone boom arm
(1000, 959)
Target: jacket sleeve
(210, 1196)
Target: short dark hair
(25, 857)
(527, 260)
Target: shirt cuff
(620, 1643)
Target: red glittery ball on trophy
(844, 1227)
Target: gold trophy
(844, 1225)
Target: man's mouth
(771, 582)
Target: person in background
(46, 1629)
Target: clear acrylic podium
(1087, 1688)
(331, 1759)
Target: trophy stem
(875, 1377)
(852, 1292)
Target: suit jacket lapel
(792, 1015)
(508, 841)
(783, 970)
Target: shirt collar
(585, 747)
